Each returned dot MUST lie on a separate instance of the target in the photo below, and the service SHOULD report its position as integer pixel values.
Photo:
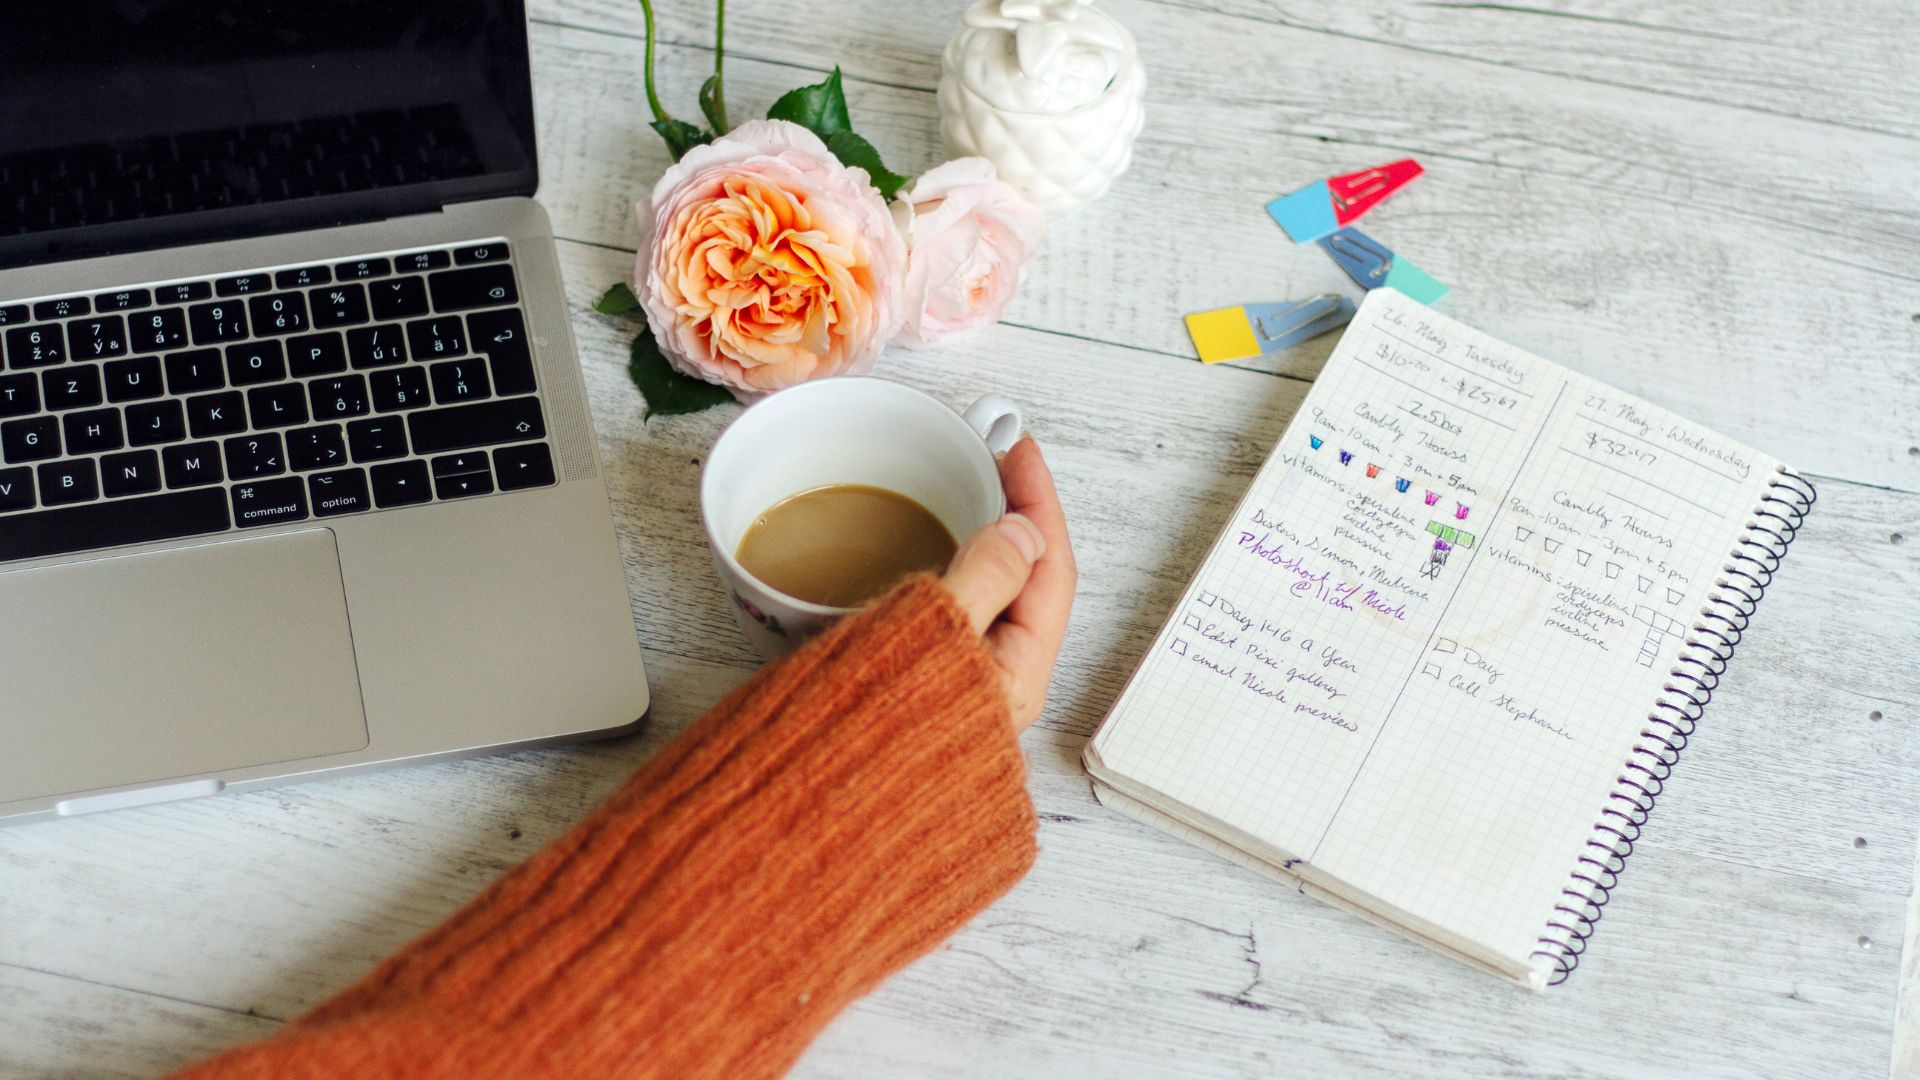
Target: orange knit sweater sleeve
(825, 824)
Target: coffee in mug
(844, 544)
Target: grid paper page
(1428, 637)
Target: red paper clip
(1356, 193)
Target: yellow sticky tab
(1224, 334)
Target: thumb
(992, 567)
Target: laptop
(297, 476)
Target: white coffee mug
(846, 431)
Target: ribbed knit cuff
(822, 826)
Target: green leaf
(680, 136)
(713, 105)
(852, 150)
(820, 108)
(618, 301)
(668, 392)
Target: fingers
(1027, 642)
(991, 568)
(1048, 599)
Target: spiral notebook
(1446, 651)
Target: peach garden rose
(766, 262)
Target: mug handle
(997, 420)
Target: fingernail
(1024, 535)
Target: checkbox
(1191, 622)
(1446, 645)
(1179, 646)
(1206, 599)
(1431, 670)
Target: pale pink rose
(764, 262)
(968, 237)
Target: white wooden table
(1714, 204)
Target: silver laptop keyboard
(184, 408)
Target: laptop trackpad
(175, 664)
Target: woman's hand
(1015, 581)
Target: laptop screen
(130, 124)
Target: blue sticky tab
(1279, 325)
(1307, 214)
(1414, 282)
(1365, 259)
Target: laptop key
(251, 456)
(474, 287)
(153, 331)
(281, 313)
(437, 339)
(35, 346)
(378, 439)
(71, 388)
(361, 269)
(155, 422)
(302, 277)
(12, 314)
(36, 438)
(136, 379)
(311, 448)
(97, 338)
(183, 293)
(112, 524)
(457, 381)
(195, 371)
(316, 354)
(217, 414)
(136, 472)
(63, 483)
(479, 253)
(16, 490)
(219, 322)
(269, 502)
(338, 305)
(397, 389)
(377, 346)
(339, 398)
(460, 475)
(401, 483)
(20, 395)
(92, 432)
(463, 427)
(63, 308)
(342, 492)
(398, 298)
(420, 260)
(282, 405)
(523, 466)
(192, 465)
(124, 300)
(502, 335)
(256, 362)
(243, 284)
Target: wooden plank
(1764, 57)
(1606, 252)
(51, 1025)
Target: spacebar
(113, 523)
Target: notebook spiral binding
(1703, 658)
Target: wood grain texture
(1704, 257)
(1779, 310)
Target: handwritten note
(1427, 638)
